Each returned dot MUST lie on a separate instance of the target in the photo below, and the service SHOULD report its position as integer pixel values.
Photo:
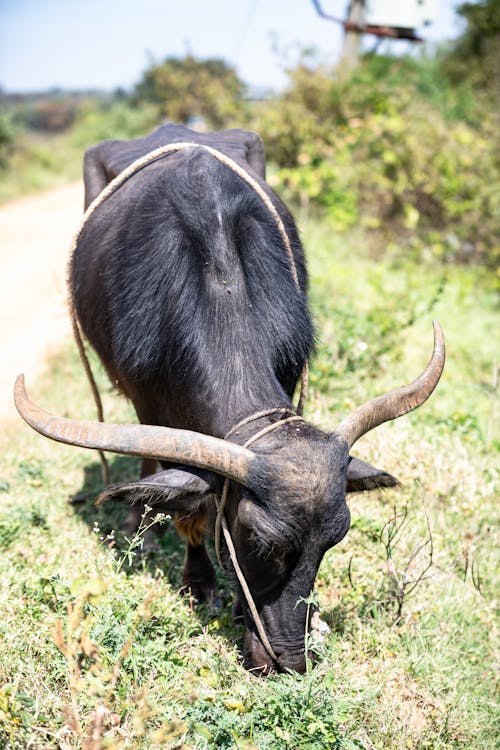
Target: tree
(476, 54)
(186, 87)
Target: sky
(106, 44)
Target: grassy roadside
(39, 160)
(40, 163)
(132, 664)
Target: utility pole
(411, 15)
(352, 38)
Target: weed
(401, 581)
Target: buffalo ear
(181, 489)
(362, 476)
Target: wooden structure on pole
(355, 25)
(352, 37)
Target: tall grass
(98, 649)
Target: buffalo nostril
(292, 662)
(260, 663)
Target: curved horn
(398, 402)
(148, 441)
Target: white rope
(249, 442)
(220, 521)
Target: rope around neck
(220, 522)
(221, 504)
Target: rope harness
(220, 523)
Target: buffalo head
(287, 500)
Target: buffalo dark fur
(182, 284)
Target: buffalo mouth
(290, 658)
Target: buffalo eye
(275, 536)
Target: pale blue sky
(108, 43)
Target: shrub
(7, 138)
(117, 120)
(185, 88)
(51, 115)
(475, 57)
(377, 150)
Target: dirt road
(35, 234)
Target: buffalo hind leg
(136, 513)
(198, 577)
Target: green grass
(39, 163)
(142, 668)
(37, 160)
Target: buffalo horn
(398, 402)
(148, 441)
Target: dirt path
(35, 234)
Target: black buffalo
(182, 285)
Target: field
(98, 649)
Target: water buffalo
(182, 285)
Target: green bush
(475, 57)
(51, 115)
(7, 138)
(116, 120)
(378, 150)
(185, 88)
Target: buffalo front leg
(198, 577)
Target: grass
(38, 160)
(97, 648)
(39, 163)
